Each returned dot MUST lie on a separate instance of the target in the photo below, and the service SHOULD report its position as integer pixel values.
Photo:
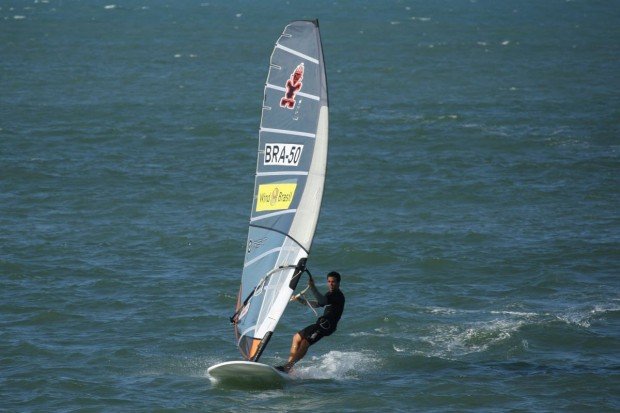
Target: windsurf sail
(290, 174)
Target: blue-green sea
(472, 204)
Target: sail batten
(289, 132)
(263, 255)
(289, 211)
(302, 173)
(297, 53)
(289, 180)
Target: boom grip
(299, 270)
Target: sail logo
(253, 245)
(293, 85)
(282, 154)
(274, 197)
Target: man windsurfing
(333, 301)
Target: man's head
(333, 281)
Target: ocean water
(471, 204)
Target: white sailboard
(242, 372)
(288, 190)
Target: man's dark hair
(334, 274)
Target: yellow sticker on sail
(273, 197)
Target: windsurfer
(333, 301)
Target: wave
(456, 334)
(336, 365)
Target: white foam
(441, 310)
(576, 319)
(584, 317)
(335, 365)
(515, 313)
(366, 334)
(604, 308)
(455, 341)
(398, 349)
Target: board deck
(247, 373)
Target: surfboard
(247, 373)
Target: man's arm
(321, 300)
(302, 300)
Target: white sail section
(290, 175)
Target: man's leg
(294, 346)
(299, 348)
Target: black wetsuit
(326, 324)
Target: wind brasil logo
(293, 85)
(282, 154)
(274, 197)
